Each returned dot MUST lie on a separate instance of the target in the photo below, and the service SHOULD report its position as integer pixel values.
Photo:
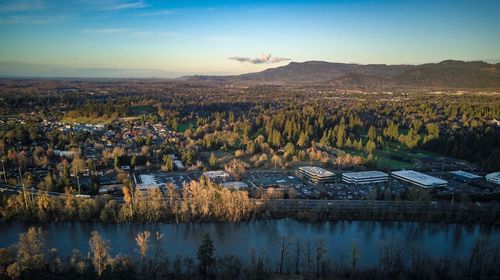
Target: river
(440, 240)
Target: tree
(372, 133)
(205, 256)
(168, 163)
(30, 253)
(99, 252)
(355, 255)
(340, 136)
(283, 245)
(320, 252)
(142, 241)
(289, 149)
(133, 161)
(213, 160)
(303, 140)
(370, 146)
(117, 161)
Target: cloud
(127, 5)
(20, 5)
(263, 59)
(31, 19)
(113, 5)
(130, 32)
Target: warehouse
(365, 177)
(493, 178)
(216, 175)
(147, 182)
(419, 179)
(465, 176)
(316, 174)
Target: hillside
(446, 74)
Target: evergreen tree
(205, 256)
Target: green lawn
(142, 109)
(183, 126)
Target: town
(88, 152)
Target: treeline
(295, 259)
(201, 201)
(198, 201)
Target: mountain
(445, 74)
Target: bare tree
(355, 255)
(297, 255)
(283, 245)
(320, 252)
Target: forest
(255, 120)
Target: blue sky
(226, 37)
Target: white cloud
(264, 58)
(20, 5)
(31, 19)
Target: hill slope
(448, 73)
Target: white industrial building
(365, 177)
(493, 178)
(216, 175)
(316, 174)
(465, 176)
(147, 182)
(178, 164)
(419, 179)
(237, 185)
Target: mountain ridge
(446, 74)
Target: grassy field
(395, 157)
(90, 120)
(183, 126)
(141, 109)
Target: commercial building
(237, 185)
(316, 174)
(419, 179)
(493, 178)
(465, 176)
(216, 175)
(365, 177)
(178, 164)
(147, 182)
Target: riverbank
(378, 246)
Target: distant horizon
(223, 37)
(127, 73)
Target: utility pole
(4, 174)
(24, 189)
(78, 182)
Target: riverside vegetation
(296, 259)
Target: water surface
(440, 240)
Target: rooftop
(419, 178)
(215, 174)
(465, 174)
(316, 171)
(365, 174)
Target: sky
(174, 38)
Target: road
(338, 205)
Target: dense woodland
(251, 121)
(296, 258)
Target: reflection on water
(239, 239)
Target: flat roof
(365, 174)
(493, 175)
(420, 178)
(147, 180)
(317, 171)
(465, 174)
(215, 173)
(236, 185)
